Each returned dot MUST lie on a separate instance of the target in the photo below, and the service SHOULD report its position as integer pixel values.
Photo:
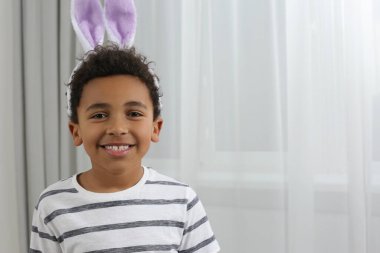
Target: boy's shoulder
(157, 178)
(61, 186)
(65, 192)
(165, 185)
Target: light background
(271, 114)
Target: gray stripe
(197, 224)
(199, 246)
(34, 251)
(141, 248)
(53, 192)
(153, 223)
(166, 183)
(43, 235)
(192, 203)
(108, 204)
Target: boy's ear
(74, 130)
(157, 125)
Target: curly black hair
(111, 60)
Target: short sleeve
(197, 236)
(42, 240)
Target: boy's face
(115, 122)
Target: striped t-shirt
(158, 214)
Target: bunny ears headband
(90, 22)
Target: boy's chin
(119, 167)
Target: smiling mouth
(116, 147)
(117, 150)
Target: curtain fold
(10, 217)
(302, 131)
(49, 55)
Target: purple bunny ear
(120, 19)
(88, 23)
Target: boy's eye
(99, 116)
(134, 114)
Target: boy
(118, 205)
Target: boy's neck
(96, 180)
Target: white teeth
(117, 148)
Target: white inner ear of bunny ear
(120, 20)
(88, 22)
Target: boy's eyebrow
(98, 106)
(105, 105)
(136, 103)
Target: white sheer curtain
(271, 114)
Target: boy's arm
(42, 240)
(197, 235)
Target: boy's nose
(117, 131)
(117, 127)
